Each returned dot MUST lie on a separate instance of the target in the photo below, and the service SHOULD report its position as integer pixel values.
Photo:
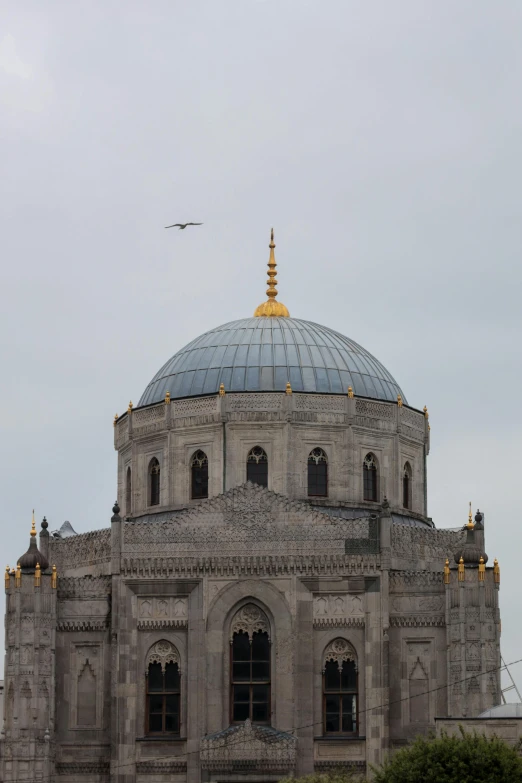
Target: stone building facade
(270, 598)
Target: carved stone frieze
(162, 608)
(417, 621)
(337, 607)
(415, 543)
(84, 588)
(417, 603)
(84, 549)
(161, 767)
(412, 580)
(244, 747)
(83, 625)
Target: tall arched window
(199, 475)
(340, 688)
(250, 666)
(370, 478)
(128, 491)
(317, 473)
(406, 486)
(257, 466)
(154, 482)
(163, 689)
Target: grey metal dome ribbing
(263, 354)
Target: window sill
(339, 738)
(162, 738)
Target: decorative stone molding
(245, 747)
(338, 622)
(84, 588)
(417, 621)
(161, 767)
(83, 768)
(250, 620)
(339, 651)
(83, 549)
(163, 652)
(402, 580)
(83, 625)
(415, 543)
(374, 410)
(255, 402)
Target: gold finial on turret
(446, 572)
(461, 569)
(288, 388)
(470, 524)
(350, 392)
(399, 400)
(37, 575)
(496, 571)
(272, 308)
(131, 406)
(167, 398)
(426, 414)
(54, 578)
(221, 389)
(18, 575)
(482, 569)
(116, 417)
(7, 578)
(33, 526)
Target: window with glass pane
(257, 466)
(406, 486)
(317, 474)
(199, 477)
(340, 698)
(128, 492)
(154, 482)
(250, 678)
(370, 478)
(163, 691)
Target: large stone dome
(263, 354)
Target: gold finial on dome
(33, 526)
(470, 524)
(272, 308)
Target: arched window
(128, 491)
(163, 689)
(257, 466)
(250, 666)
(199, 475)
(406, 486)
(317, 473)
(154, 482)
(340, 688)
(370, 478)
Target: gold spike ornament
(470, 524)
(54, 578)
(399, 400)
(461, 569)
(496, 571)
(350, 392)
(446, 572)
(7, 578)
(18, 575)
(272, 308)
(33, 526)
(221, 389)
(288, 388)
(37, 575)
(482, 569)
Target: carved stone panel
(162, 612)
(86, 698)
(338, 610)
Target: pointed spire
(272, 308)
(470, 518)
(33, 526)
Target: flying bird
(183, 225)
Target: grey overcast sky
(382, 140)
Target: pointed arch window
(163, 689)
(317, 473)
(199, 475)
(406, 486)
(250, 666)
(370, 478)
(257, 466)
(154, 482)
(340, 688)
(128, 491)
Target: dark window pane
(171, 677)
(155, 704)
(332, 721)
(348, 722)
(370, 482)
(241, 711)
(241, 647)
(260, 647)
(172, 703)
(241, 671)
(333, 704)
(260, 671)
(332, 677)
(172, 723)
(317, 478)
(241, 693)
(406, 492)
(259, 711)
(257, 473)
(154, 482)
(348, 676)
(155, 723)
(155, 679)
(199, 481)
(260, 693)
